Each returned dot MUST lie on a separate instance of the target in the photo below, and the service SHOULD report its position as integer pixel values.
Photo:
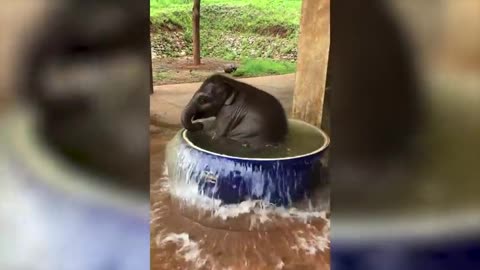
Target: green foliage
(229, 29)
(157, 5)
(256, 67)
(251, 16)
(158, 76)
(231, 46)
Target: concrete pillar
(313, 48)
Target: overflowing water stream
(217, 170)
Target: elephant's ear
(231, 98)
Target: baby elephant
(243, 113)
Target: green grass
(257, 67)
(161, 75)
(234, 30)
(279, 10)
(248, 16)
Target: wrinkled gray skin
(243, 113)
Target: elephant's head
(214, 93)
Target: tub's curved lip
(326, 143)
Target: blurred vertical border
(405, 130)
(74, 134)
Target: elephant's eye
(202, 100)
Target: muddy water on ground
(179, 241)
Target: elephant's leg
(249, 133)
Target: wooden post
(461, 47)
(313, 47)
(151, 63)
(196, 32)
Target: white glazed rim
(326, 143)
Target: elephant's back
(268, 113)
(267, 103)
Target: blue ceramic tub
(233, 179)
(449, 241)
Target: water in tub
(300, 140)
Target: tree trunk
(196, 31)
(151, 65)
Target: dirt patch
(171, 27)
(166, 26)
(169, 44)
(158, 125)
(275, 31)
(182, 70)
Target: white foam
(279, 265)
(312, 244)
(189, 249)
(261, 211)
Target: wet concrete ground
(185, 238)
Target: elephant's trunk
(187, 117)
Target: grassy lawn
(236, 15)
(258, 67)
(259, 33)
